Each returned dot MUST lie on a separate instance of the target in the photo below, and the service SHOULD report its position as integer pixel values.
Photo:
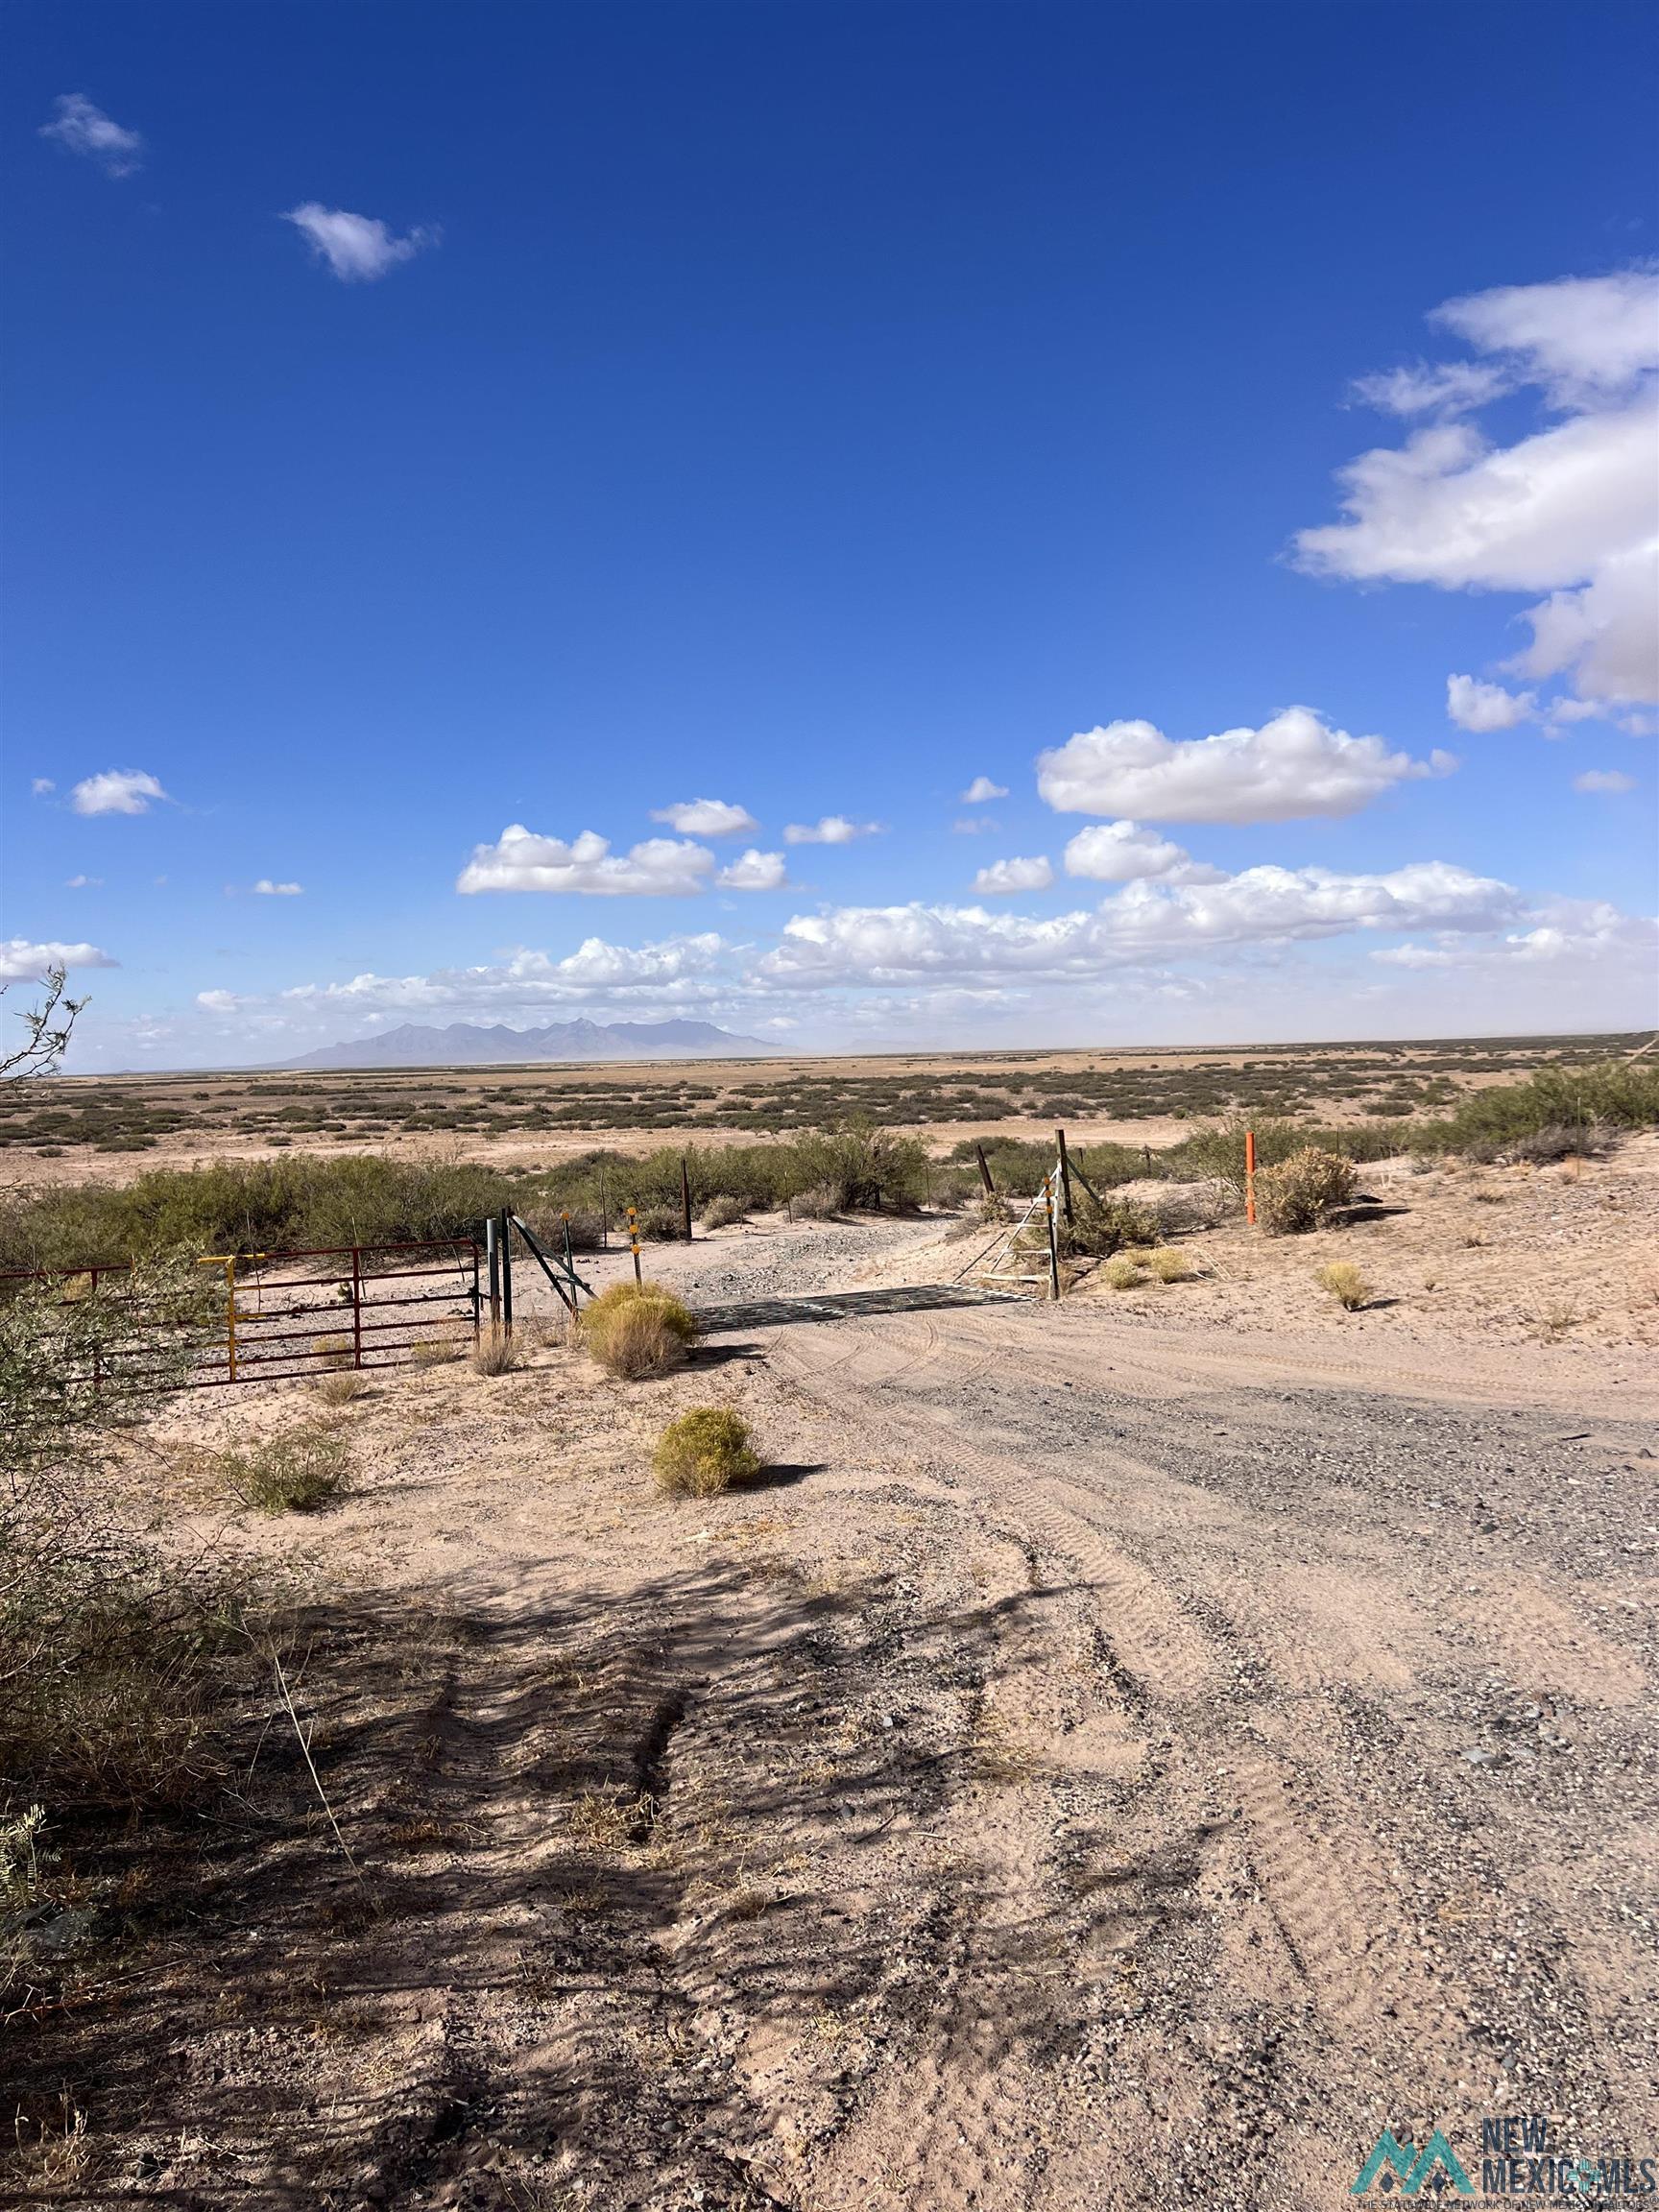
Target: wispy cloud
(266, 889)
(357, 248)
(116, 791)
(705, 818)
(829, 829)
(82, 128)
(82, 882)
(1608, 781)
(42, 788)
(1005, 876)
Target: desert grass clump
(1124, 1273)
(1345, 1284)
(821, 1203)
(637, 1330)
(704, 1453)
(1296, 1196)
(722, 1213)
(296, 1471)
(495, 1352)
(1170, 1265)
(436, 1351)
(340, 1387)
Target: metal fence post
(505, 1241)
(1064, 1176)
(493, 1256)
(1053, 1241)
(356, 1305)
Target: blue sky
(424, 421)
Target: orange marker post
(1250, 1176)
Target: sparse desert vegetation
(296, 1471)
(506, 1669)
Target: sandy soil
(1121, 1754)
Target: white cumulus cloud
(1569, 508)
(1123, 852)
(82, 128)
(829, 829)
(519, 860)
(1484, 707)
(705, 818)
(754, 871)
(358, 248)
(1295, 765)
(1034, 874)
(22, 961)
(116, 791)
(886, 945)
(982, 790)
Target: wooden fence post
(984, 1170)
(1053, 1241)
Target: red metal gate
(284, 1315)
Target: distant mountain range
(463, 1045)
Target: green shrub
(722, 1213)
(704, 1453)
(662, 1225)
(1097, 1230)
(296, 1471)
(1296, 1196)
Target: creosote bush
(1099, 1230)
(1298, 1194)
(296, 1471)
(638, 1330)
(722, 1213)
(704, 1453)
(1345, 1284)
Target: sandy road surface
(1110, 1764)
(1335, 1668)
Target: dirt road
(1109, 1764)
